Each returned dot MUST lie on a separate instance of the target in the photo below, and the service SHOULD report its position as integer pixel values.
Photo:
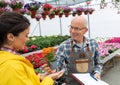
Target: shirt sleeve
(61, 58)
(97, 61)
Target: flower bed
(107, 48)
(45, 56)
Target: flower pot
(79, 13)
(73, 14)
(60, 15)
(56, 13)
(90, 12)
(37, 19)
(86, 12)
(44, 17)
(51, 16)
(33, 13)
(47, 12)
(66, 14)
(16, 10)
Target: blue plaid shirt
(64, 49)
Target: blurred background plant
(16, 4)
(3, 4)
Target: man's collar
(86, 41)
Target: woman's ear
(10, 37)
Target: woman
(15, 69)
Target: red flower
(47, 7)
(37, 59)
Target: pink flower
(33, 46)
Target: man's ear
(10, 37)
(85, 30)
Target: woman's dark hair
(12, 22)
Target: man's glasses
(76, 28)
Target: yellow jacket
(16, 70)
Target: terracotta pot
(86, 12)
(60, 15)
(37, 19)
(56, 13)
(74, 14)
(79, 13)
(51, 16)
(66, 14)
(44, 17)
(33, 13)
(16, 10)
(90, 12)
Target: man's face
(77, 30)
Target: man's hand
(96, 75)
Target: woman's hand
(56, 75)
(43, 75)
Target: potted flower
(86, 11)
(52, 14)
(79, 10)
(67, 10)
(60, 14)
(16, 5)
(74, 12)
(57, 10)
(43, 15)
(38, 16)
(91, 10)
(33, 7)
(47, 7)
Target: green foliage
(3, 4)
(46, 41)
(117, 0)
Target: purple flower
(23, 10)
(16, 4)
(67, 9)
(79, 9)
(33, 6)
(5, 10)
(38, 17)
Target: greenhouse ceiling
(61, 2)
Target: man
(78, 54)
